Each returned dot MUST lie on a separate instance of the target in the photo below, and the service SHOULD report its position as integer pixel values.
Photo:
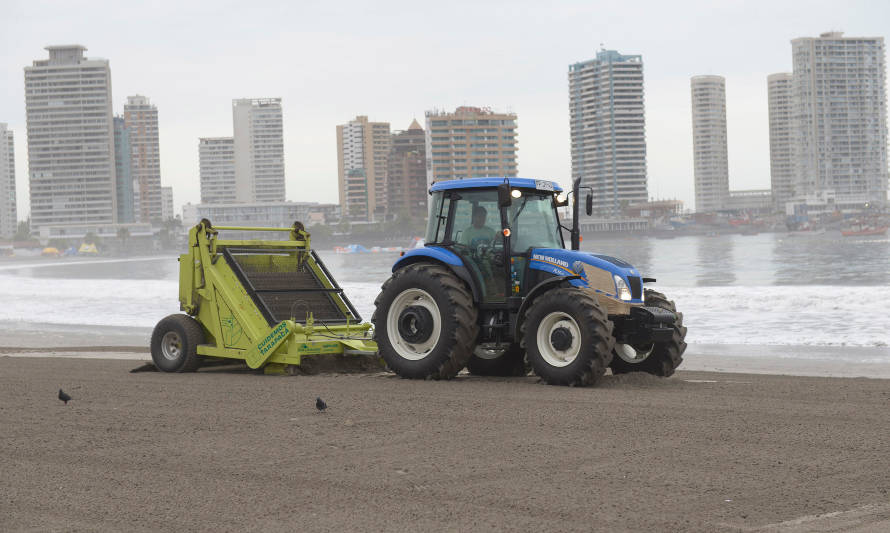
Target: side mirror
(589, 205)
(504, 198)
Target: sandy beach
(226, 449)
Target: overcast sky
(330, 61)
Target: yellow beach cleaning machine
(270, 303)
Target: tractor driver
(478, 233)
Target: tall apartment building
(709, 146)
(608, 129)
(362, 151)
(141, 119)
(259, 150)
(123, 171)
(70, 139)
(216, 159)
(471, 142)
(8, 220)
(406, 192)
(781, 163)
(166, 203)
(840, 117)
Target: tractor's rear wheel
(491, 359)
(660, 358)
(568, 337)
(174, 344)
(425, 322)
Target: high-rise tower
(8, 220)
(709, 146)
(259, 150)
(406, 172)
(781, 164)
(839, 117)
(70, 139)
(608, 129)
(362, 151)
(216, 156)
(471, 142)
(141, 120)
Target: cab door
(476, 237)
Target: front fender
(441, 256)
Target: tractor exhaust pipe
(576, 202)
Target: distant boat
(864, 231)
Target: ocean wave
(771, 315)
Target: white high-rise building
(709, 144)
(840, 117)
(8, 221)
(259, 150)
(362, 151)
(141, 119)
(608, 129)
(781, 164)
(216, 156)
(70, 139)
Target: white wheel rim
(489, 350)
(171, 346)
(630, 354)
(405, 349)
(548, 325)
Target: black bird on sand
(64, 397)
(319, 404)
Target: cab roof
(476, 183)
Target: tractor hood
(597, 271)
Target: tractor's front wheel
(568, 337)
(492, 359)
(659, 358)
(174, 344)
(425, 322)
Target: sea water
(767, 289)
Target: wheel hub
(561, 338)
(415, 324)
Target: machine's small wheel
(661, 358)
(174, 344)
(568, 337)
(491, 359)
(425, 322)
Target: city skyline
(534, 87)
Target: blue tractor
(496, 291)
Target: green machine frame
(268, 302)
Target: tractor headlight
(621, 288)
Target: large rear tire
(425, 322)
(568, 338)
(492, 360)
(174, 344)
(660, 358)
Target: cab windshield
(532, 218)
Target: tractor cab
(492, 225)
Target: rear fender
(537, 290)
(449, 259)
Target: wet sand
(232, 450)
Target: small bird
(64, 397)
(319, 404)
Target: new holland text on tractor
(494, 290)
